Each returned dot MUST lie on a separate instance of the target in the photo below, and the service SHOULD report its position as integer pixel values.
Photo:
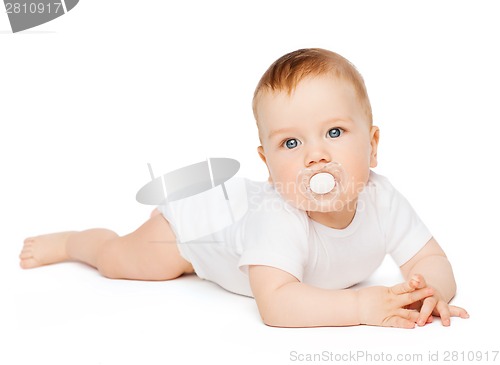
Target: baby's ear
(374, 138)
(262, 155)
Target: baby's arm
(283, 301)
(432, 263)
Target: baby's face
(320, 122)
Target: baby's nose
(317, 158)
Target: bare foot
(44, 250)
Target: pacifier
(322, 186)
(322, 183)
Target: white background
(86, 101)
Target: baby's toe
(29, 263)
(26, 253)
(26, 256)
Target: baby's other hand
(390, 306)
(433, 305)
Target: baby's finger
(400, 322)
(428, 306)
(407, 286)
(402, 288)
(444, 312)
(458, 312)
(409, 298)
(411, 315)
(419, 281)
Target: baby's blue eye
(334, 132)
(291, 143)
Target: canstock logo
(26, 14)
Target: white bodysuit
(273, 233)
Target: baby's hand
(389, 307)
(434, 305)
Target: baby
(301, 244)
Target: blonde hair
(287, 71)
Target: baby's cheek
(356, 180)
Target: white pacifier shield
(322, 183)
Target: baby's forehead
(270, 102)
(289, 91)
(307, 88)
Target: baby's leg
(149, 253)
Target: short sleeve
(276, 236)
(405, 232)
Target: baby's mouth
(322, 186)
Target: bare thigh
(148, 253)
